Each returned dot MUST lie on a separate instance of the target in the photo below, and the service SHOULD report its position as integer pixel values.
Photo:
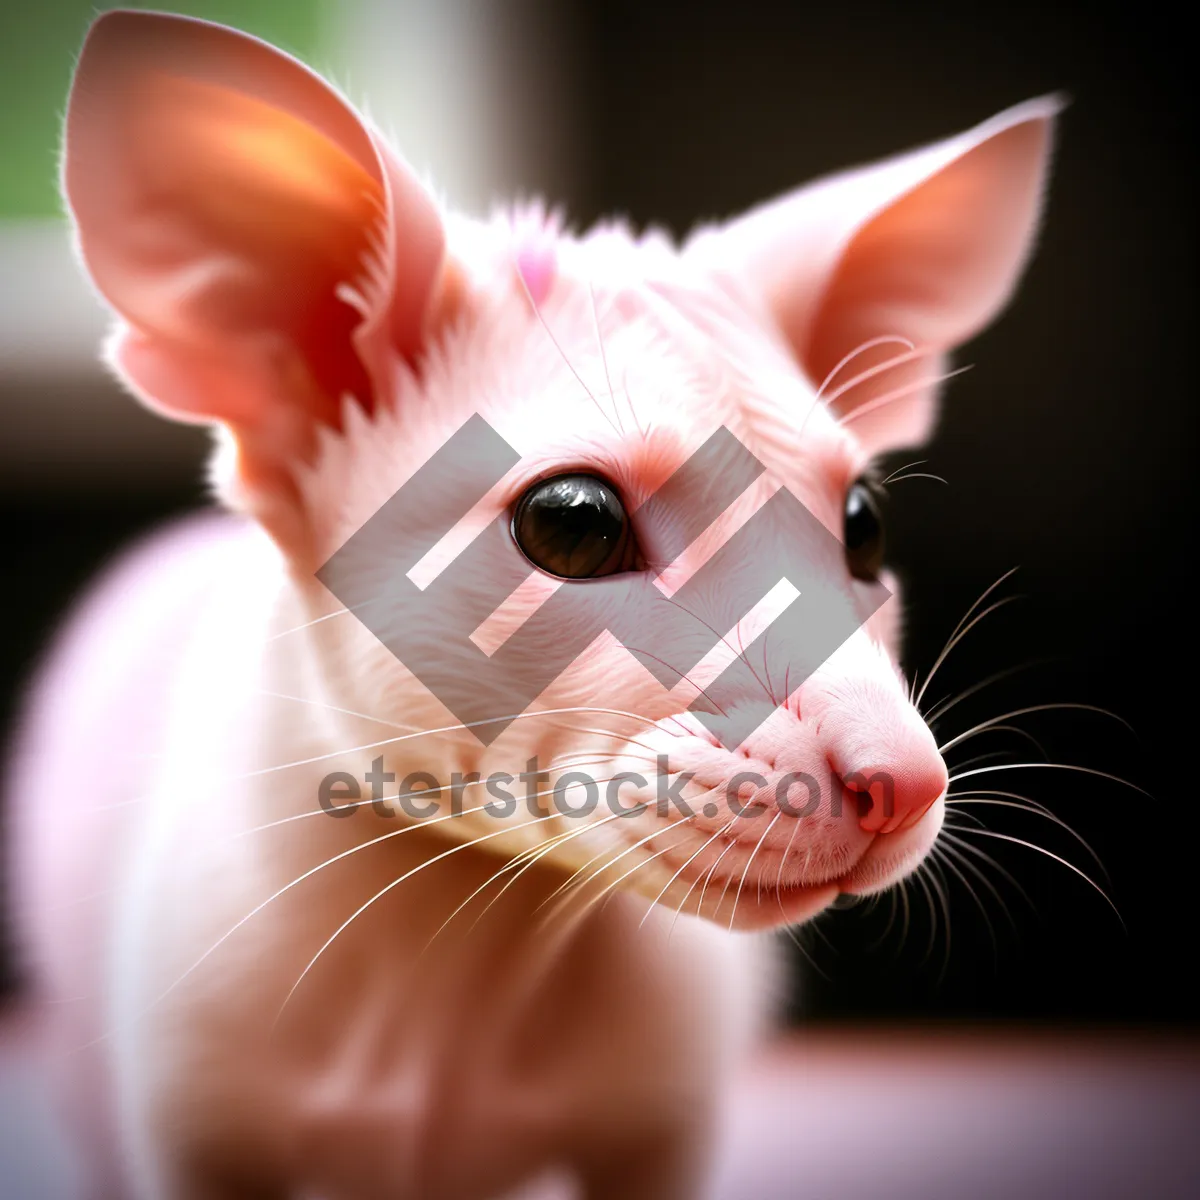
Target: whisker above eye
(915, 475)
(885, 339)
(899, 360)
(871, 406)
(563, 354)
(612, 395)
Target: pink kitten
(273, 1003)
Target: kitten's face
(268, 256)
(609, 388)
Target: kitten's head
(666, 433)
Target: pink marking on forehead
(536, 262)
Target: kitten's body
(249, 996)
(392, 1062)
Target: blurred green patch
(39, 40)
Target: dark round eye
(573, 526)
(863, 533)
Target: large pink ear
(265, 253)
(924, 248)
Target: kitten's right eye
(863, 533)
(575, 527)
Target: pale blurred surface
(870, 1115)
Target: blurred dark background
(1068, 449)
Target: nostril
(873, 793)
(891, 800)
(863, 801)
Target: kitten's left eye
(863, 533)
(575, 527)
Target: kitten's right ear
(925, 247)
(265, 251)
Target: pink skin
(278, 272)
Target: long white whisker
(734, 841)
(1010, 800)
(918, 877)
(943, 706)
(691, 859)
(1024, 733)
(356, 804)
(956, 638)
(870, 344)
(967, 847)
(938, 885)
(563, 354)
(956, 852)
(612, 395)
(610, 888)
(958, 630)
(882, 340)
(564, 837)
(605, 733)
(524, 861)
(1021, 712)
(542, 712)
(707, 876)
(864, 410)
(395, 883)
(946, 853)
(917, 475)
(740, 651)
(914, 355)
(1050, 767)
(1005, 837)
(349, 712)
(422, 824)
(341, 612)
(582, 883)
(746, 870)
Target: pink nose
(901, 792)
(882, 749)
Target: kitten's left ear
(927, 247)
(266, 253)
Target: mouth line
(766, 881)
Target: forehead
(630, 363)
(627, 365)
